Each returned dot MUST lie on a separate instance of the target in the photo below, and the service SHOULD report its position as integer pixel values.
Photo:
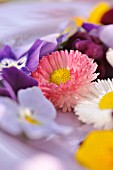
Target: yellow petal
(79, 21)
(98, 12)
(96, 152)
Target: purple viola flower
(14, 80)
(29, 58)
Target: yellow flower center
(31, 120)
(106, 101)
(26, 114)
(60, 76)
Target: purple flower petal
(33, 55)
(26, 70)
(6, 52)
(62, 38)
(90, 48)
(48, 47)
(39, 49)
(89, 27)
(9, 89)
(17, 79)
(4, 92)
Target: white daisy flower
(33, 115)
(97, 107)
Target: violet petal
(48, 47)
(33, 55)
(9, 89)
(62, 38)
(18, 79)
(37, 51)
(26, 70)
(4, 92)
(88, 26)
(6, 52)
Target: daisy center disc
(106, 101)
(60, 76)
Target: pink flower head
(64, 77)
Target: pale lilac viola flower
(33, 115)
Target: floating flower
(96, 152)
(13, 80)
(64, 77)
(33, 115)
(97, 107)
(27, 58)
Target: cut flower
(64, 77)
(97, 107)
(33, 115)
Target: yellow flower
(98, 12)
(95, 15)
(96, 152)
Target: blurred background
(23, 21)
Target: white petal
(109, 56)
(89, 112)
(99, 88)
(33, 99)
(9, 116)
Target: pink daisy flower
(64, 77)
